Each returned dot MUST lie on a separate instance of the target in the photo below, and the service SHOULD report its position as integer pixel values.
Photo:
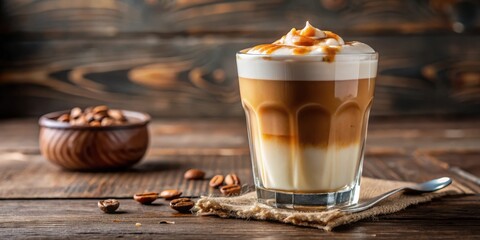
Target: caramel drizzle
(331, 35)
(301, 50)
(267, 48)
(331, 52)
(303, 43)
(300, 40)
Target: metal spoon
(430, 186)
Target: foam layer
(306, 68)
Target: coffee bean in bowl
(95, 138)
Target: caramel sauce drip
(270, 48)
(267, 48)
(304, 41)
(308, 32)
(301, 40)
(332, 35)
(331, 52)
(301, 51)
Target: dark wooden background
(175, 58)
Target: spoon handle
(368, 204)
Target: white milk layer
(306, 169)
(306, 68)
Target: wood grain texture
(175, 58)
(445, 218)
(94, 148)
(399, 148)
(197, 77)
(396, 150)
(461, 162)
(35, 178)
(228, 136)
(239, 16)
(156, 173)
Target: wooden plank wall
(175, 58)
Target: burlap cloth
(247, 207)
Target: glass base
(308, 201)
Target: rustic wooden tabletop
(39, 200)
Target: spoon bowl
(429, 186)
(425, 187)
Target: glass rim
(302, 56)
(314, 57)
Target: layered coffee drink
(307, 99)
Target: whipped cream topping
(310, 41)
(309, 54)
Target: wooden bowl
(94, 147)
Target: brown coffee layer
(317, 113)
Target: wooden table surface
(39, 200)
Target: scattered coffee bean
(94, 116)
(216, 181)
(166, 222)
(230, 190)
(193, 174)
(76, 112)
(232, 179)
(109, 205)
(170, 194)
(182, 205)
(145, 198)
